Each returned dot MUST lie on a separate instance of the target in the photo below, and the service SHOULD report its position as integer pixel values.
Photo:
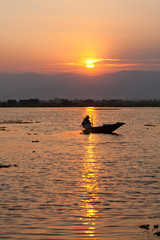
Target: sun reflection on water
(90, 186)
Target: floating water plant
(145, 226)
(157, 233)
(2, 128)
(15, 122)
(156, 226)
(7, 165)
(149, 125)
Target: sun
(89, 64)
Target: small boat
(106, 128)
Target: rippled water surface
(66, 185)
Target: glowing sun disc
(90, 64)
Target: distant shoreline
(61, 102)
(78, 106)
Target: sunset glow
(79, 36)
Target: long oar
(92, 120)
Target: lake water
(66, 185)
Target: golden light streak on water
(90, 188)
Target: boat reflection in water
(89, 189)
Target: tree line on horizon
(63, 102)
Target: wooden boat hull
(109, 128)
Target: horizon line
(76, 73)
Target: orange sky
(60, 36)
